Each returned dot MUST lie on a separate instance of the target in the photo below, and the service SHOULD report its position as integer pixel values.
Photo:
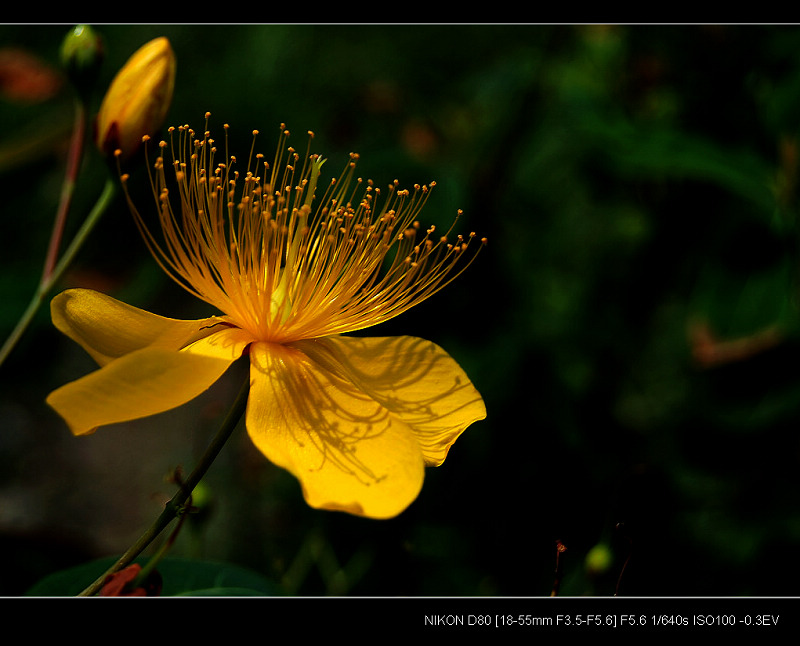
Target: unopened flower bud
(599, 559)
(137, 100)
(82, 55)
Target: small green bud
(82, 54)
(201, 496)
(599, 559)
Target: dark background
(632, 324)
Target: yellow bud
(137, 100)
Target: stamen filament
(258, 250)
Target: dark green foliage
(638, 189)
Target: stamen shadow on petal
(322, 412)
(414, 379)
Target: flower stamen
(254, 246)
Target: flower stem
(54, 273)
(151, 565)
(175, 507)
(67, 189)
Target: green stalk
(175, 507)
(53, 276)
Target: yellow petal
(349, 453)
(226, 343)
(142, 383)
(413, 378)
(107, 328)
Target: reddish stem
(67, 190)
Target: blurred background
(632, 325)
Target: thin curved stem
(67, 189)
(175, 506)
(56, 272)
(106, 197)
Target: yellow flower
(355, 419)
(137, 99)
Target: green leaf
(181, 577)
(221, 592)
